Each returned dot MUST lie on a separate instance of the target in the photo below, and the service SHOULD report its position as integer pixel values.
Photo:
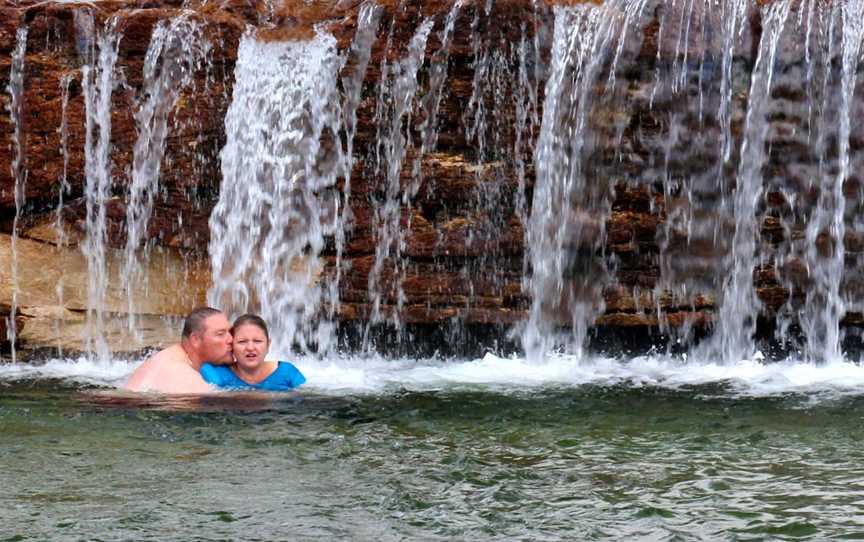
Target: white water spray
(277, 200)
(826, 305)
(431, 101)
(177, 51)
(567, 227)
(395, 105)
(368, 20)
(19, 174)
(736, 317)
(98, 81)
(62, 191)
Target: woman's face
(250, 346)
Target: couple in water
(213, 352)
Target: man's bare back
(206, 338)
(168, 371)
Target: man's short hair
(195, 321)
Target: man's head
(207, 336)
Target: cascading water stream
(807, 18)
(431, 101)
(569, 211)
(733, 13)
(280, 165)
(527, 119)
(19, 174)
(368, 21)
(736, 318)
(64, 186)
(475, 116)
(177, 50)
(62, 191)
(826, 306)
(574, 35)
(499, 124)
(815, 119)
(99, 81)
(398, 87)
(697, 148)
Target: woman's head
(251, 340)
(251, 320)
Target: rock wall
(52, 296)
(652, 141)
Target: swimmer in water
(250, 370)
(206, 337)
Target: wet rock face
(51, 300)
(58, 45)
(658, 212)
(6, 322)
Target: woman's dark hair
(251, 320)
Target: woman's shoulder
(214, 367)
(290, 374)
(215, 373)
(286, 367)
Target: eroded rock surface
(52, 284)
(651, 154)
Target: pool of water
(489, 449)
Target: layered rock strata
(651, 141)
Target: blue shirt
(285, 377)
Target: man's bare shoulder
(172, 354)
(157, 371)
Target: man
(206, 338)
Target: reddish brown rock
(463, 237)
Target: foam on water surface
(80, 370)
(744, 378)
(340, 376)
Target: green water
(587, 463)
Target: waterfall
(709, 237)
(807, 17)
(63, 189)
(574, 36)
(826, 304)
(499, 122)
(19, 174)
(397, 90)
(475, 116)
(695, 169)
(177, 50)
(692, 239)
(368, 20)
(431, 101)
(526, 97)
(681, 62)
(567, 227)
(277, 200)
(492, 92)
(98, 81)
(736, 317)
(733, 13)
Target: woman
(249, 370)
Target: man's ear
(195, 339)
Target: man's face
(214, 342)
